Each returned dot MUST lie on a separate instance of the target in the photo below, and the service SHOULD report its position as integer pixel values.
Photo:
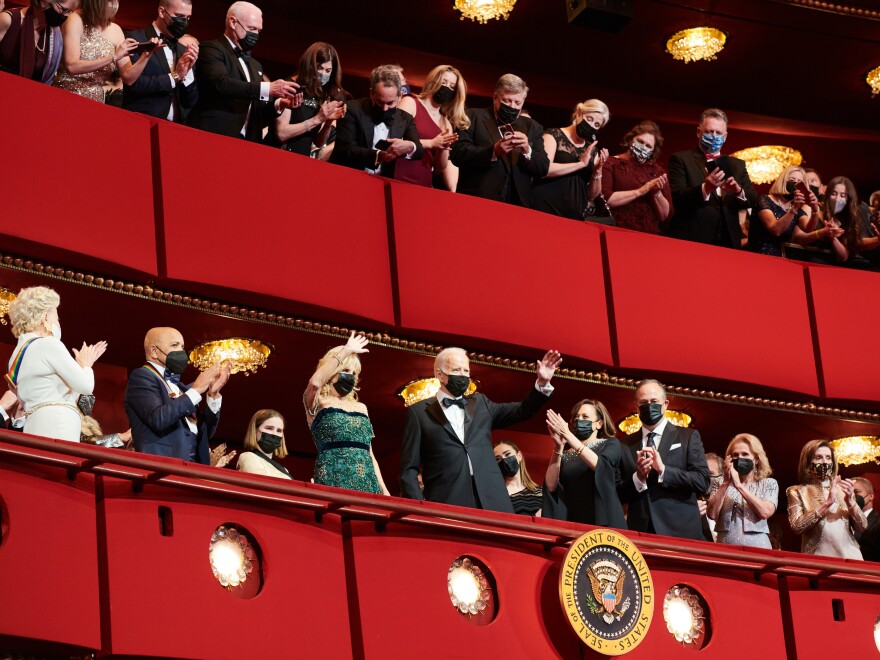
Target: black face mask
(175, 361)
(790, 187)
(743, 466)
(53, 18)
(444, 95)
(509, 466)
(860, 501)
(506, 114)
(381, 116)
(249, 40)
(177, 26)
(344, 384)
(651, 413)
(269, 443)
(457, 385)
(586, 132)
(815, 190)
(583, 428)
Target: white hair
(440, 360)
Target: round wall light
(471, 590)
(235, 560)
(687, 616)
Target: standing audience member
(716, 476)
(93, 44)
(814, 182)
(164, 413)
(525, 494)
(864, 491)
(31, 41)
(663, 469)
(707, 204)
(263, 444)
(233, 98)
(47, 379)
(785, 215)
(636, 185)
(582, 476)
(374, 132)
(841, 211)
(823, 508)
(747, 497)
(574, 175)
(319, 76)
(450, 436)
(167, 87)
(340, 424)
(501, 151)
(439, 113)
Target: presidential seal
(606, 592)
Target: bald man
(233, 99)
(163, 412)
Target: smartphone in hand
(383, 145)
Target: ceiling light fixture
(699, 43)
(632, 423)
(424, 388)
(239, 353)
(764, 164)
(873, 80)
(483, 11)
(6, 298)
(857, 449)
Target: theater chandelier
(424, 388)
(632, 423)
(700, 43)
(239, 353)
(766, 163)
(484, 10)
(6, 298)
(857, 449)
(873, 80)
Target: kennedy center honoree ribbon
(606, 592)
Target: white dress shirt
(186, 82)
(195, 397)
(264, 88)
(380, 132)
(640, 485)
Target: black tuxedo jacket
(672, 505)
(714, 221)
(429, 440)
(873, 517)
(354, 137)
(152, 93)
(225, 94)
(158, 422)
(507, 179)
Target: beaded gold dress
(93, 46)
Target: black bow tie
(243, 54)
(172, 378)
(448, 403)
(171, 42)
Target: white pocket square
(675, 446)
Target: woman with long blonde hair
(339, 422)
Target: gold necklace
(45, 36)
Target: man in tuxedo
(163, 413)
(864, 491)
(502, 150)
(663, 469)
(707, 203)
(450, 436)
(233, 98)
(166, 88)
(374, 132)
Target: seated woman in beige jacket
(823, 508)
(263, 444)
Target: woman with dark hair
(823, 507)
(30, 38)
(438, 111)
(635, 184)
(581, 481)
(263, 443)
(319, 76)
(841, 210)
(524, 493)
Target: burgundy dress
(421, 171)
(621, 174)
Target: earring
(47, 326)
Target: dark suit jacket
(715, 221)
(429, 440)
(873, 517)
(152, 93)
(869, 540)
(225, 94)
(672, 505)
(354, 137)
(158, 422)
(507, 179)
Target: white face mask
(56, 331)
(839, 205)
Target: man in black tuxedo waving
(233, 98)
(502, 151)
(374, 132)
(663, 469)
(166, 87)
(450, 436)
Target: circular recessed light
(687, 616)
(235, 560)
(471, 590)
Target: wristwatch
(175, 77)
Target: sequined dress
(342, 439)
(93, 46)
(738, 523)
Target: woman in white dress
(47, 379)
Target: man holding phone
(708, 189)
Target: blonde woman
(47, 379)
(525, 494)
(823, 507)
(439, 112)
(786, 215)
(339, 422)
(747, 497)
(263, 444)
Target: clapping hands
(87, 355)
